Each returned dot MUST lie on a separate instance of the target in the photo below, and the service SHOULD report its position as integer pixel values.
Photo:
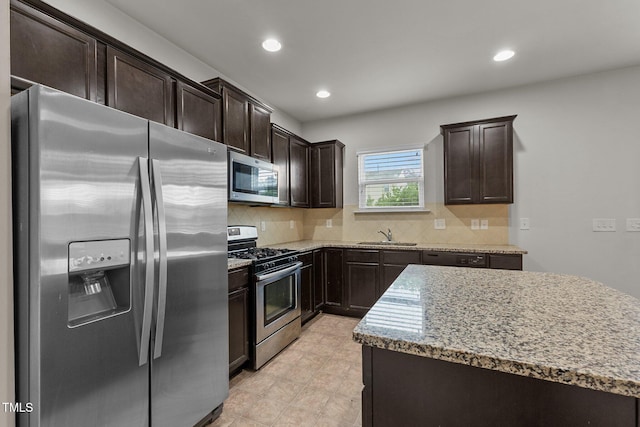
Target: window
(391, 179)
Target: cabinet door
(197, 112)
(333, 277)
(235, 120)
(280, 157)
(318, 279)
(306, 297)
(299, 170)
(139, 88)
(45, 50)
(238, 328)
(495, 160)
(362, 284)
(323, 171)
(260, 125)
(459, 165)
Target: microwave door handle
(280, 273)
(149, 262)
(162, 249)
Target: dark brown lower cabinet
(333, 288)
(238, 318)
(430, 392)
(318, 279)
(306, 286)
(362, 268)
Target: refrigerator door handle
(162, 249)
(149, 261)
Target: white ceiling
(374, 54)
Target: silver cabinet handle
(149, 263)
(280, 273)
(162, 249)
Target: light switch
(484, 224)
(439, 224)
(633, 224)
(524, 223)
(604, 224)
(475, 224)
(329, 223)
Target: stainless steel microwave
(252, 180)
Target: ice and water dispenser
(99, 280)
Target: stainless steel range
(275, 292)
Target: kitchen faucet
(388, 235)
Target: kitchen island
(447, 346)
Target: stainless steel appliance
(251, 180)
(276, 293)
(120, 267)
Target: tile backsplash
(350, 226)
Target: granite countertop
(233, 263)
(307, 245)
(553, 327)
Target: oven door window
(279, 298)
(254, 180)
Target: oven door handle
(280, 273)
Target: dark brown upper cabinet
(299, 172)
(197, 112)
(280, 157)
(139, 88)
(478, 161)
(260, 124)
(327, 160)
(245, 120)
(47, 51)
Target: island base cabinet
(404, 389)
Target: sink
(388, 243)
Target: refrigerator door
(189, 363)
(79, 255)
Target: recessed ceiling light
(323, 94)
(271, 45)
(503, 55)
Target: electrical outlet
(292, 224)
(484, 224)
(524, 223)
(475, 224)
(633, 224)
(263, 226)
(439, 224)
(329, 223)
(604, 224)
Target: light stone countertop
(233, 263)
(307, 245)
(560, 328)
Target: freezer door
(190, 366)
(77, 200)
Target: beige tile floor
(316, 381)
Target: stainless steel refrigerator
(120, 266)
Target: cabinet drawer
(401, 257)
(306, 258)
(439, 258)
(238, 279)
(363, 256)
(506, 262)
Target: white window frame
(362, 200)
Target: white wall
(112, 21)
(6, 287)
(576, 157)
